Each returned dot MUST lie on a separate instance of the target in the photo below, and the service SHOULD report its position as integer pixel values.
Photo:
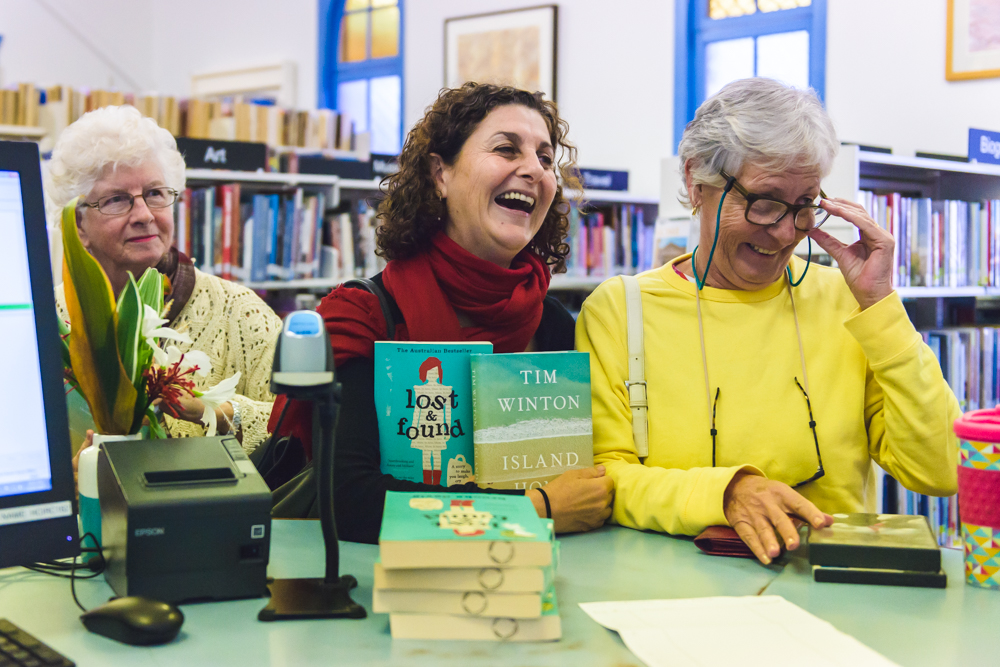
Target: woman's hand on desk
(581, 499)
(759, 508)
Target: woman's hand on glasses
(866, 263)
(761, 512)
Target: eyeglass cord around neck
(700, 283)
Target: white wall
(230, 34)
(885, 80)
(614, 77)
(67, 42)
(154, 45)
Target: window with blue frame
(719, 41)
(361, 65)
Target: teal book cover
(423, 396)
(531, 417)
(451, 517)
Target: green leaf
(93, 347)
(151, 289)
(156, 430)
(130, 314)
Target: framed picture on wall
(973, 44)
(516, 48)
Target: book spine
(226, 271)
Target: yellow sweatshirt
(876, 389)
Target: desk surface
(911, 626)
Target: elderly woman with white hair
(771, 387)
(128, 173)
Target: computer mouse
(135, 620)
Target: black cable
(57, 568)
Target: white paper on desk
(752, 631)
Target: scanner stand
(329, 597)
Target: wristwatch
(237, 421)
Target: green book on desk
(886, 549)
(531, 416)
(462, 530)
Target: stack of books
(466, 566)
(881, 549)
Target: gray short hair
(107, 136)
(758, 121)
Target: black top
(359, 484)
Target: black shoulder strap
(386, 302)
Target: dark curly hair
(411, 213)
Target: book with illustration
(531, 417)
(424, 401)
(462, 530)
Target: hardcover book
(424, 402)
(462, 603)
(879, 577)
(441, 530)
(531, 417)
(546, 627)
(489, 579)
(876, 541)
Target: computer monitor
(37, 495)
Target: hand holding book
(757, 508)
(868, 262)
(581, 500)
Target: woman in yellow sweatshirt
(772, 385)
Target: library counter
(910, 626)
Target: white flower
(215, 397)
(172, 355)
(153, 329)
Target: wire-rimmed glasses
(121, 203)
(812, 426)
(764, 211)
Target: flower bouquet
(113, 354)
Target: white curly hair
(758, 121)
(115, 136)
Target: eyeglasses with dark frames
(121, 203)
(764, 211)
(812, 426)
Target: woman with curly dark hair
(472, 224)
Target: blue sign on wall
(984, 146)
(603, 179)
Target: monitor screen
(37, 515)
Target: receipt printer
(183, 519)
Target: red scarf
(505, 306)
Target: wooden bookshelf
(303, 285)
(265, 177)
(610, 197)
(22, 131)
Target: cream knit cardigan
(238, 332)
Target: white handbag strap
(636, 366)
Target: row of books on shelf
(971, 365)
(274, 236)
(940, 243)
(259, 120)
(257, 237)
(610, 241)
